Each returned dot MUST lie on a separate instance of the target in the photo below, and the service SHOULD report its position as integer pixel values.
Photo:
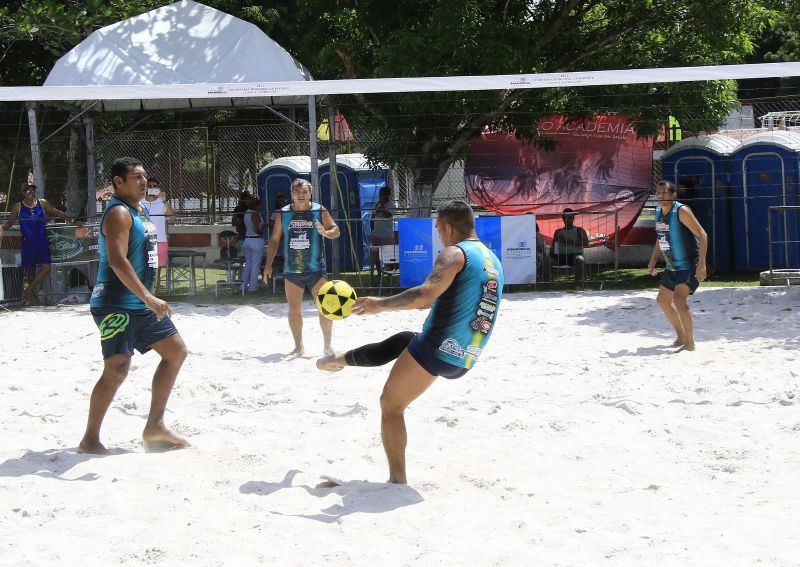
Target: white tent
(185, 43)
(182, 43)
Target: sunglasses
(29, 188)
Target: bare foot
(298, 351)
(92, 447)
(162, 439)
(397, 480)
(328, 351)
(687, 346)
(678, 343)
(329, 363)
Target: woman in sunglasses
(32, 214)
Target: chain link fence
(179, 159)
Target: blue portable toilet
(703, 164)
(277, 177)
(356, 190)
(765, 169)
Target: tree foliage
(381, 38)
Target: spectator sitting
(568, 244)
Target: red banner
(598, 168)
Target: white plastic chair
(389, 257)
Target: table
(183, 270)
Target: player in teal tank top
(463, 291)
(110, 291)
(302, 251)
(302, 224)
(683, 242)
(128, 316)
(462, 318)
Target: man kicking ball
(463, 291)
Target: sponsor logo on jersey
(451, 346)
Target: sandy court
(580, 438)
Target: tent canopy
(182, 43)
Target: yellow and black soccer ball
(335, 299)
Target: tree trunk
(421, 200)
(74, 194)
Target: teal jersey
(302, 244)
(679, 246)
(109, 291)
(462, 318)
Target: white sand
(578, 439)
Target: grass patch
(628, 279)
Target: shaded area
(51, 463)
(357, 496)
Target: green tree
(429, 131)
(778, 42)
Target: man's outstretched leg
(373, 354)
(115, 370)
(407, 380)
(156, 436)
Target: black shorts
(433, 365)
(306, 281)
(672, 278)
(123, 330)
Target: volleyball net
(593, 142)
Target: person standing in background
(155, 202)
(32, 213)
(253, 245)
(304, 223)
(684, 243)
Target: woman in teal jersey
(463, 291)
(683, 242)
(304, 223)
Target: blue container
(703, 163)
(765, 170)
(356, 192)
(277, 177)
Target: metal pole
(312, 137)
(91, 191)
(333, 188)
(769, 239)
(36, 157)
(616, 244)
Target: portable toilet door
(766, 166)
(702, 163)
(335, 195)
(277, 177)
(353, 174)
